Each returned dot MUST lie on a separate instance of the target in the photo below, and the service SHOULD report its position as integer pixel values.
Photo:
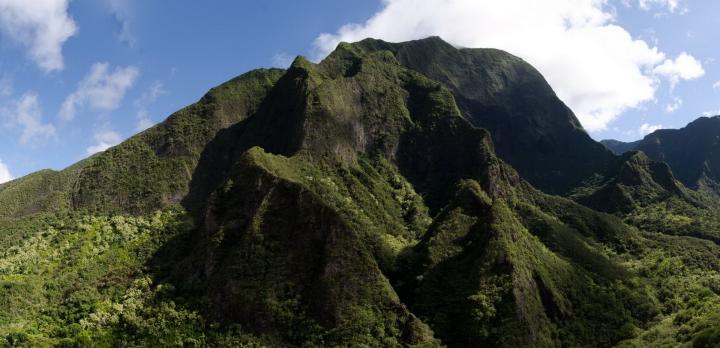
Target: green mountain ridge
(619, 147)
(692, 152)
(356, 202)
(639, 181)
(532, 129)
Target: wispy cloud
(26, 114)
(5, 175)
(281, 60)
(672, 6)
(101, 89)
(674, 105)
(122, 11)
(40, 26)
(6, 86)
(144, 101)
(647, 128)
(104, 139)
(143, 120)
(711, 113)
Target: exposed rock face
(316, 220)
(532, 129)
(384, 197)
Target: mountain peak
(619, 147)
(370, 199)
(532, 129)
(300, 62)
(693, 152)
(639, 181)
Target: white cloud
(6, 86)
(101, 89)
(646, 128)
(716, 85)
(122, 11)
(104, 140)
(145, 100)
(674, 105)
(671, 5)
(144, 121)
(40, 26)
(26, 113)
(593, 64)
(29, 116)
(711, 113)
(5, 175)
(148, 97)
(281, 60)
(684, 67)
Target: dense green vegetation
(82, 280)
(691, 152)
(355, 203)
(532, 129)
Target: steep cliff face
(356, 201)
(532, 129)
(342, 223)
(152, 169)
(284, 261)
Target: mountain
(671, 189)
(532, 129)
(328, 202)
(149, 171)
(358, 202)
(640, 181)
(693, 152)
(619, 147)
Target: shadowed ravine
(392, 195)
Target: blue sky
(79, 76)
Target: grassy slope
(150, 170)
(154, 169)
(346, 202)
(680, 252)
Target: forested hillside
(393, 195)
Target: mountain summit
(371, 199)
(693, 152)
(532, 129)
